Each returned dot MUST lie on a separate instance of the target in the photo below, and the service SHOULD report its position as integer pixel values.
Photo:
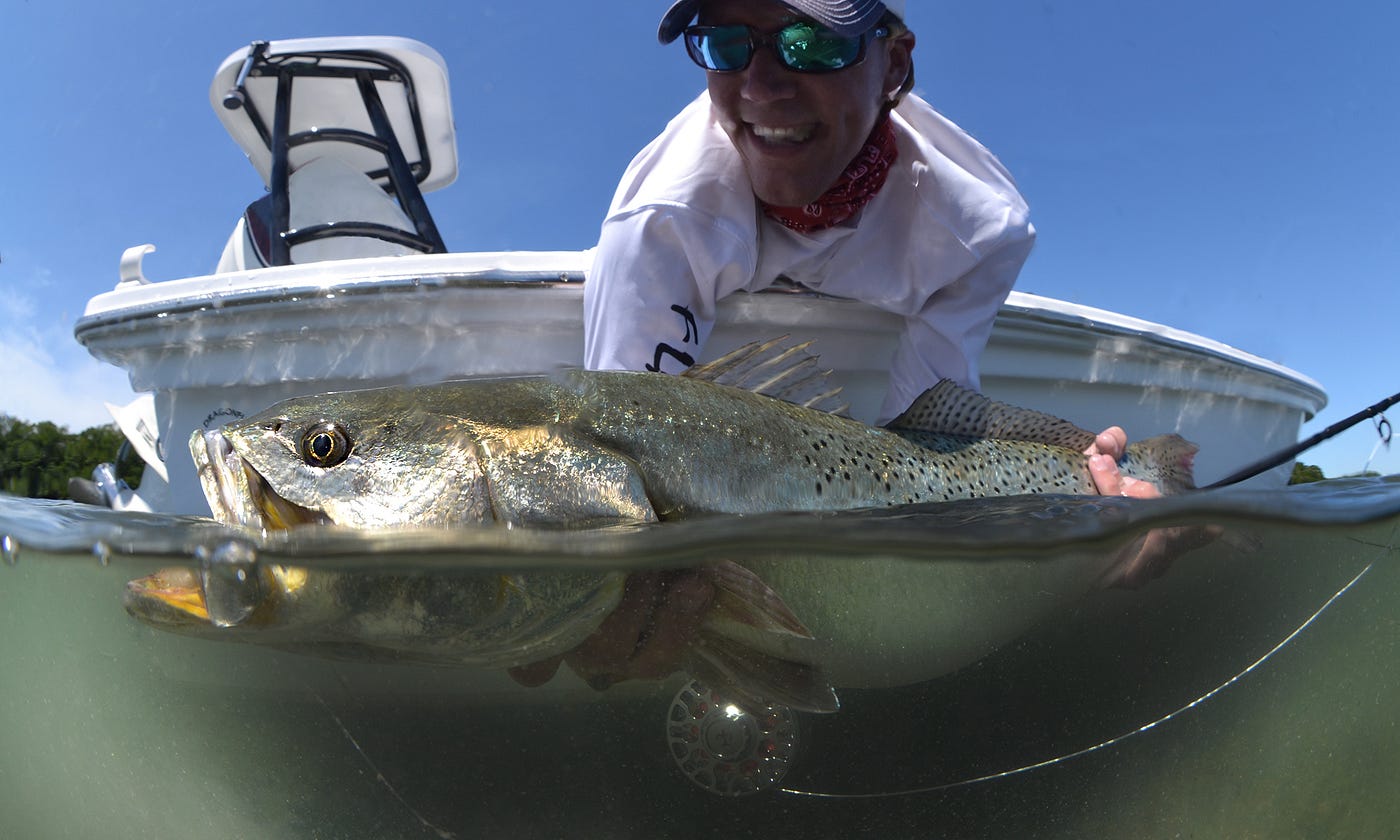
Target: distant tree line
(1306, 473)
(37, 459)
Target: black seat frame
(401, 178)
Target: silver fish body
(472, 619)
(591, 447)
(585, 448)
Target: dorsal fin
(950, 409)
(772, 369)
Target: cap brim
(677, 18)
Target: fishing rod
(1286, 455)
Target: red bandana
(853, 190)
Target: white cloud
(47, 375)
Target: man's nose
(766, 79)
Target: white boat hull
(217, 348)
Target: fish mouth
(238, 494)
(171, 597)
(177, 598)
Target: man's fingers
(1111, 442)
(615, 640)
(1108, 481)
(1150, 555)
(1138, 489)
(535, 674)
(677, 618)
(647, 634)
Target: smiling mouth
(782, 135)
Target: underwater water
(989, 687)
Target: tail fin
(752, 648)
(1167, 460)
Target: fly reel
(726, 749)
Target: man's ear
(901, 64)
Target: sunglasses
(803, 46)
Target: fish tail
(752, 648)
(1167, 459)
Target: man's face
(796, 132)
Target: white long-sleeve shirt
(941, 244)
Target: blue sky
(1226, 168)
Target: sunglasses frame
(760, 39)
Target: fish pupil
(325, 446)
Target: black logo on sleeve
(692, 336)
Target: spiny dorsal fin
(772, 369)
(950, 409)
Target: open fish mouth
(238, 494)
(170, 597)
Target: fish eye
(325, 445)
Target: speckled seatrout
(587, 448)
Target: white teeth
(782, 135)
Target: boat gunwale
(130, 307)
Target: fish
(760, 430)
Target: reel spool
(725, 748)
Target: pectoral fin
(539, 476)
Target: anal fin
(752, 648)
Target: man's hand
(1104, 455)
(1151, 554)
(644, 638)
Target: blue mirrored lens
(805, 46)
(720, 47)
(802, 46)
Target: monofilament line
(1110, 742)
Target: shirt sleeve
(946, 337)
(649, 300)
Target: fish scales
(704, 448)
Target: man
(807, 160)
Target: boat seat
(324, 190)
(347, 134)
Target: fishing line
(1104, 744)
(379, 776)
(1383, 432)
(1331, 431)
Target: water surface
(969, 638)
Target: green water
(111, 729)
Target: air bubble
(9, 550)
(102, 552)
(232, 585)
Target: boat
(338, 279)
